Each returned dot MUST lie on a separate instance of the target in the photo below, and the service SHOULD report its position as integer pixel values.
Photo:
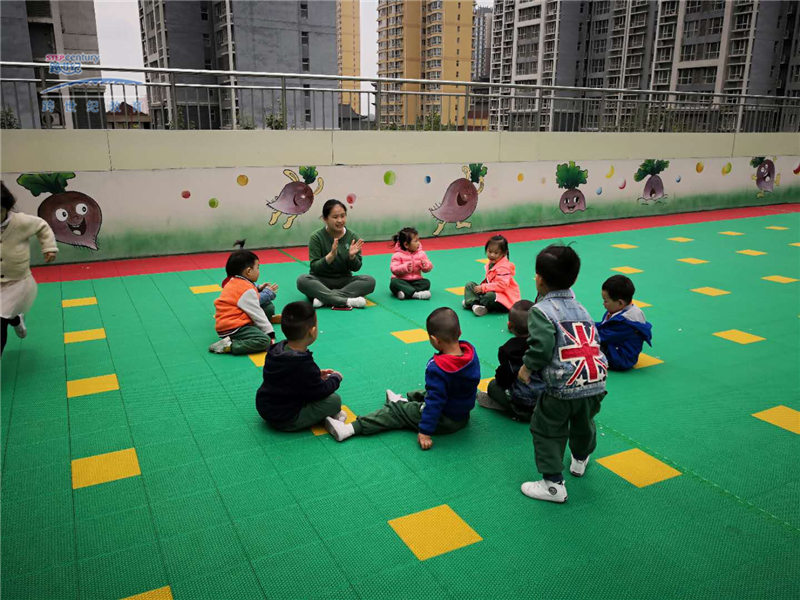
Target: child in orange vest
(241, 320)
(498, 292)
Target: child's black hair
(443, 324)
(619, 287)
(559, 266)
(8, 200)
(296, 320)
(404, 236)
(239, 260)
(330, 205)
(500, 241)
(518, 317)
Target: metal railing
(217, 99)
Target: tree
(7, 119)
(274, 120)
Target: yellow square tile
(411, 336)
(646, 361)
(87, 335)
(730, 233)
(627, 270)
(693, 261)
(258, 358)
(370, 302)
(740, 337)
(103, 468)
(751, 252)
(484, 261)
(434, 532)
(205, 289)
(641, 304)
(624, 246)
(92, 385)
(164, 593)
(320, 429)
(782, 416)
(78, 302)
(710, 291)
(795, 244)
(680, 239)
(458, 291)
(638, 468)
(779, 279)
(483, 385)
(777, 228)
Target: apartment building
(481, 42)
(429, 40)
(348, 44)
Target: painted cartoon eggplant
(74, 217)
(296, 197)
(765, 176)
(461, 198)
(654, 186)
(569, 176)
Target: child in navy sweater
(624, 329)
(451, 382)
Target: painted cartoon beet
(569, 177)
(765, 176)
(295, 197)
(461, 198)
(74, 217)
(654, 187)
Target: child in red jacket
(409, 262)
(498, 292)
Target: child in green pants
(564, 345)
(451, 382)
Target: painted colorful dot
(213, 203)
(520, 177)
(351, 198)
(427, 179)
(242, 180)
(185, 194)
(389, 177)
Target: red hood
(452, 363)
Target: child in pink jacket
(498, 292)
(409, 262)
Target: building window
(715, 26)
(742, 22)
(667, 32)
(304, 38)
(599, 46)
(662, 77)
(664, 54)
(208, 64)
(738, 47)
(602, 7)
(736, 72)
(597, 65)
(304, 10)
(204, 11)
(601, 27)
(685, 76)
(308, 115)
(207, 40)
(712, 50)
(689, 52)
(710, 75)
(796, 74)
(306, 66)
(690, 29)
(692, 7)
(619, 23)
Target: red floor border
(216, 260)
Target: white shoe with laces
(393, 397)
(479, 310)
(340, 431)
(549, 491)
(578, 467)
(423, 295)
(20, 329)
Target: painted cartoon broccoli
(654, 187)
(461, 198)
(569, 176)
(295, 197)
(765, 177)
(74, 217)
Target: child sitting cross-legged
(451, 382)
(295, 393)
(624, 329)
(506, 392)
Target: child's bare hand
(49, 257)
(326, 373)
(273, 286)
(524, 374)
(425, 441)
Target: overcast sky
(120, 44)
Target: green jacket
(541, 341)
(342, 266)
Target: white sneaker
(479, 310)
(578, 467)
(548, 491)
(400, 296)
(463, 304)
(221, 346)
(357, 302)
(424, 295)
(339, 430)
(393, 397)
(20, 329)
(341, 416)
(317, 303)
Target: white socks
(357, 302)
(400, 295)
(392, 397)
(317, 303)
(339, 430)
(426, 295)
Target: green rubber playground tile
(278, 574)
(170, 453)
(399, 498)
(239, 582)
(176, 482)
(375, 549)
(275, 532)
(38, 481)
(102, 420)
(361, 513)
(115, 532)
(59, 582)
(123, 573)
(240, 498)
(231, 469)
(37, 550)
(155, 407)
(397, 577)
(45, 512)
(29, 456)
(211, 421)
(226, 442)
(200, 553)
(377, 466)
(101, 442)
(160, 430)
(305, 482)
(109, 498)
(180, 516)
(297, 451)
